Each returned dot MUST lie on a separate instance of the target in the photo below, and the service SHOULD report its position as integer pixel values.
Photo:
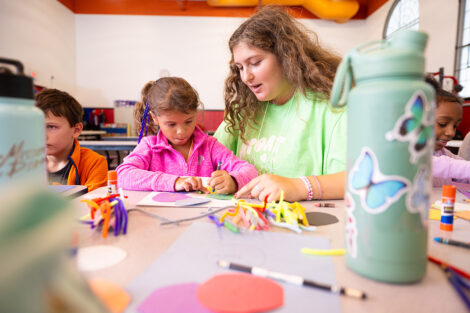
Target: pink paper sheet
(170, 197)
(173, 299)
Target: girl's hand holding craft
(271, 185)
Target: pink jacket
(448, 167)
(155, 165)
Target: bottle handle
(17, 64)
(343, 78)
(372, 46)
(342, 83)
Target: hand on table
(189, 183)
(271, 185)
(222, 182)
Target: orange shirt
(92, 168)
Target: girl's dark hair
(305, 64)
(441, 94)
(164, 95)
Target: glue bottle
(112, 182)
(447, 208)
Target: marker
(452, 242)
(294, 279)
(324, 205)
(219, 164)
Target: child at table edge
(67, 162)
(446, 166)
(180, 154)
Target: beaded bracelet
(309, 187)
(319, 188)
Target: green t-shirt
(303, 137)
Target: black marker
(294, 279)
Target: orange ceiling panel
(190, 8)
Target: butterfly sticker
(376, 190)
(415, 126)
(417, 200)
(351, 228)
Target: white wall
(41, 34)
(117, 55)
(439, 19)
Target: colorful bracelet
(319, 188)
(309, 187)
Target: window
(462, 62)
(404, 14)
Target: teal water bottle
(22, 131)
(36, 224)
(389, 153)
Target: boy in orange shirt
(67, 162)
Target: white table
(147, 240)
(92, 134)
(454, 143)
(73, 191)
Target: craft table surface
(147, 240)
(72, 191)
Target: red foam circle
(238, 293)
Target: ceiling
(226, 8)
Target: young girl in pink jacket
(180, 154)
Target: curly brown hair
(304, 62)
(164, 95)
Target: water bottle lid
(15, 85)
(403, 54)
